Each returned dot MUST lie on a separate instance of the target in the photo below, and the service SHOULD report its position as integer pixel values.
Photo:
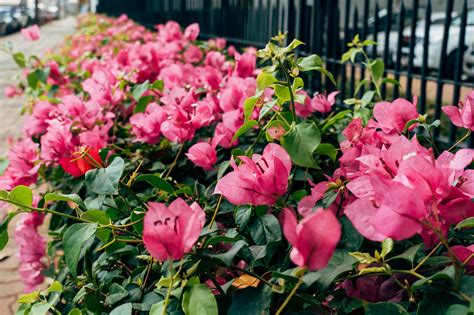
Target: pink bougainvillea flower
(466, 255)
(146, 126)
(393, 211)
(276, 131)
(193, 54)
(322, 103)
(246, 64)
(314, 238)
(31, 249)
(192, 31)
(31, 33)
(392, 117)
(203, 154)
(463, 114)
(260, 180)
(170, 232)
(12, 91)
(81, 161)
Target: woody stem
(174, 161)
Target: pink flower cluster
(32, 249)
(398, 187)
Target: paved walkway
(10, 126)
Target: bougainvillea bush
(186, 176)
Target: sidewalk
(52, 34)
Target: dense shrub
(180, 177)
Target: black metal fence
(428, 46)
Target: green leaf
(363, 258)
(139, 89)
(329, 197)
(391, 80)
(104, 181)
(297, 85)
(409, 254)
(264, 80)
(265, 229)
(75, 311)
(29, 298)
(387, 246)
(21, 195)
(242, 216)
(4, 229)
(249, 105)
(157, 308)
(328, 150)
(99, 217)
(64, 197)
(466, 223)
(41, 308)
(76, 241)
(20, 59)
(311, 62)
(282, 92)
(301, 142)
(251, 301)
(142, 104)
(378, 68)
(228, 256)
(56, 286)
(385, 308)
(156, 181)
(341, 262)
(116, 294)
(292, 46)
(457, 309)
(244, 128)
(158, 85)
(445, 274)
(198, 299)
(437, 303)
(124, 309)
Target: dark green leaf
(341, 262)
(142, 104)
(104, 181)
(445, 274)
(251, 301)
(4, 229)
(116, 293)
(328, 150)
(228, 256)
(156, 181)
(409, 254)
(99, 217)
(198, 299)
(244, 128)
(378, 68)
(437, 303)
(64, 197)
(75, 242)
(301, 142)
(124, 309)
(385, 308)
(242, 216)
(265, 229)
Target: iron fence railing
(426, 45)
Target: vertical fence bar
(424, 67)
(346, 40)
(388, 24)
(458, 69)
(401, 24)
(330, 37)
(364, 37)
(354, 32)
(411, 54)
(441, 67)
(375, 31)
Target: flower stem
(170, 286)
(288, 298)
(468, 133)
(174, 161)
(215, 212)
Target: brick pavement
(10, 126)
